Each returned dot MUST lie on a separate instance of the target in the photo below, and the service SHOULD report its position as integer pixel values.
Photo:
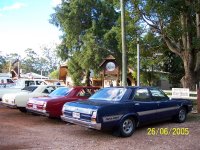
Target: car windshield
(19, 83)
(109, 94)
(62, 91)
(30, 88)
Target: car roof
(85, 87)
(132, 87)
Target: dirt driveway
(25, 131)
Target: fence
(193, 94)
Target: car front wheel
(181, 116)
(127, 127)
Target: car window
(142, 95)
(158, 94)
(28, 83)
(9, 81)
(109, 94)
(62, 91)
(49, 89)
(40, 83)
(29, 88)
(84, 93)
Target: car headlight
(63, 109)
(69, 108)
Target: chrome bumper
(39, 112)
(82, 122)
(9, 105)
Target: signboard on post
(180, 93)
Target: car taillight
(44, 105)
(94, 116)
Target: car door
(166, 107)
(145, 106)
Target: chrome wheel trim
(128, 126)
(182, 115)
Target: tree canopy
(177, 22)
(91, 31)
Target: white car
(20, 84)
(19, 99)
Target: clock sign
(110, 66)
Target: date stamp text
(168, 131)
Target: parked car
(19, 99)
(122, 109)
(52, 104)
(6, 82)
(20, 84)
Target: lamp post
(138, 62)
(124, 60)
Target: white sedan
(19, 99)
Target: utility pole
(18, 69)
(138, 62)
(124, 60)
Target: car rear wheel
(127, 127)
(181, 116)
(22, 109)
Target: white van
(6, 82)
(20, 84)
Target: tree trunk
(87, 82)
(189, 80)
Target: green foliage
(75, 69)
(175, 21)
(10, 61)
(49, 60)
(86, 25)
(92, 30)
(31, 62)
(35, 63)
(54, 74)
(173, 65)
(2, 63)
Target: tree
(31, 62)
(2, 63)
(174, 66)
(54, 74)
(75, 69)
(84, 25)
(49, 56)
(11, 61)
(177, 22)
(35, 63)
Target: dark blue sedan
(122, 109)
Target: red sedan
(52, 104)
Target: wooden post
(198, 100)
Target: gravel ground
(25, 131)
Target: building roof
(33, 76)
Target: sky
(25, 24)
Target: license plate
(6, 100)
(34, 106)
(76, 115)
